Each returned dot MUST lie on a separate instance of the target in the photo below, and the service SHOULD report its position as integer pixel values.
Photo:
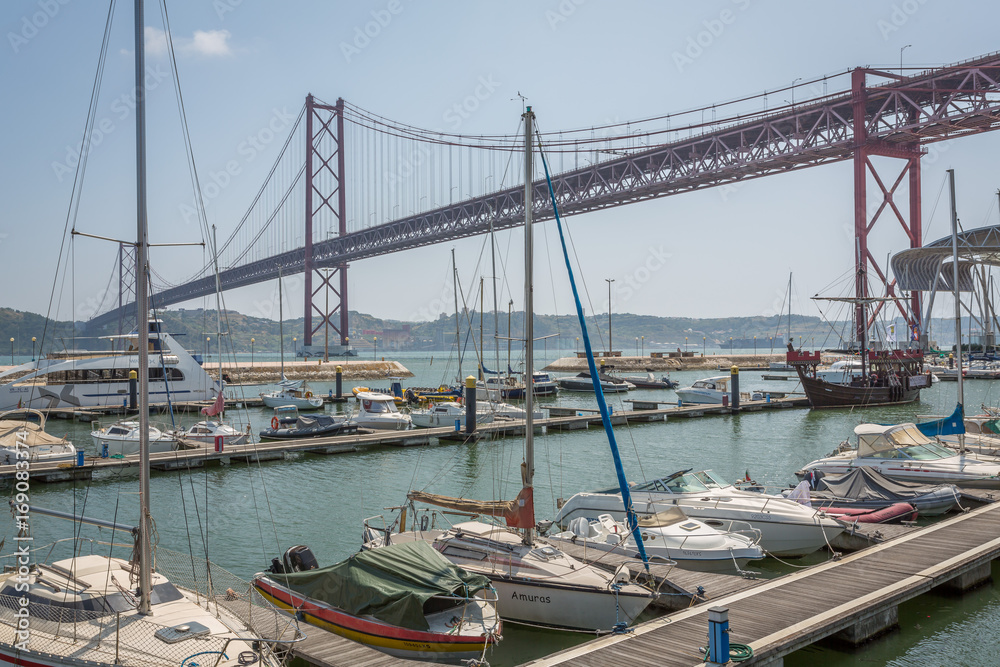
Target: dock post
(132, 379)
(734, 387)
(718, 635)
(470, 405)
(340, 382)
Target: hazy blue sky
(246, 63)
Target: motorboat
(708, 391)
(786, 527)
(582, 382)
(437, 415)
(866, 488)
(80, 378)
(406, 600)
(902, 452)
(650, 381)
(318, 426)
(23, 438)
(842, 371)
(207, 432)
(292, 392)
(669, 535)
(122, 439)
(379, 411)
(537, 583)
(395, 390)
(542, 384)
(501, 410)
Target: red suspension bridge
(350, 184)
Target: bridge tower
(325, 209)
(866, 147)
(127, 319)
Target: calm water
(252, 513)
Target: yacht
(379, 411)
(292, 392)
(206, 432)
(582, 382)
(902, 452)
(23, 437)
(122, 439)
(707, 391)
(75, 379)
(437, 415)
(841, 372)
(786, 527)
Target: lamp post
(208, 347)
(375, 348)
(347, 346)
(685, 343)
(642, 346)
(730, 345)
(252, 341)
(636, 345)
(755, 346)
(33, 339)
(295, 345)
(703, 350)
(611, 347)
(901, 58)
(11, 350)
(577, 344)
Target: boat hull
(829, 395)
(314, 403)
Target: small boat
(379, 411)
(865, 488)
(708, 391)
(23, 438)
(542, 384)
(406, 600)
(122, 439)
(894, 513)
(395, 390)
(582, 382)
(292, 392)
(651, 382)
(446, 414)
(886, 377)
(206, 433)
(902, 452)
(318, 426)
(501, 410)
(669, 535)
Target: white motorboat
(786, 527)
(447, 414)
(902, 452)
(292, 392)
(379, 411)
(707, 391)
(502, 410)
(582, 382)
(122, 439)
(206, 433)
(841, 372)
(74, 379)
(669, 535)
(23, 438)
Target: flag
(891, 336)
(915, 334)
(746, 477)
(215, 408)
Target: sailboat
(289, 392)
(537, 583)
(99, 610)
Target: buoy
(275, 423)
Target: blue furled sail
(630, 517)
(952, 425)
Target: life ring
(275, 423)
(309, 394)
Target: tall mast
(496, 313)
(529, 329)
(482, 352)
(789, 330)
(958, 304)
(458, 326)
(281, 327)
(142, 323)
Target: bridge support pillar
(869, 627)
(865, 148)
(325, 215)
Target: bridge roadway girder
(943, 103)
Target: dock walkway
(854, 598)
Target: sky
(247, 65)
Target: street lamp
(295, 345)
(208, 347)
(637, 345)
(685, 343)
(901, 58)
(611, 347)
(252, 341)
(642, 346)
(730, 345)
(33, 339)
(703, 346)
(755, 346)
(347, 346)
(375, 348)
(11, 350)
(578, 345)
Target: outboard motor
(299, 559)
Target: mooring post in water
(718, 635)
(340, 382)
(470, 404)
(132, 380)
(734, 387)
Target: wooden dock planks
(789, 613)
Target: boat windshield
(686, 483)
(377, 406)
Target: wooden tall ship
(887, 377)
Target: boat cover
(391, 583)
(29, 433)
(865, 483)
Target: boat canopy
(874, 439)
(392, 583)
(25, 433)
(865, 483)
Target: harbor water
(241, 516)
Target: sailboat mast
(789, 325)
(482, 352)
(142, 319)
(496, 312)
(529, 329)
(281, 327)
(958, 304)
(458, 326)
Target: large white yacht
(75, 379)
(786, 527)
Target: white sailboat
(289, 392)
(99, 611)
(537, 583)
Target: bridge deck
(786, 614)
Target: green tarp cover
(391, 583)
